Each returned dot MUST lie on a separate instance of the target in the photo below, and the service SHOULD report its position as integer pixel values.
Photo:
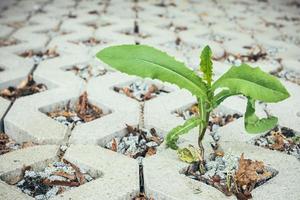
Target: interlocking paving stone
(180, 28)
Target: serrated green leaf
(189, 154)
(206, 64)
(146, 61)
(255, 125)
(174, 134)
(252, 82)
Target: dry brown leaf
(127, 92)
(279, 141)
(129, 128)
(80, 177)
(86, 111)
(65, 175)
(114, 145)
(156, 139)
(27, 144)
(247, 176)
(61, 183)
(151, 151)
(195, 109)
(6, 92)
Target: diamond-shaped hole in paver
(8, 42)
(180, 45)
(90, 42)
(288, 75)
(216, 119)
(231, 174)
(135, 142)
(26, 87)
(135, 32)
(280, 139)
(50, 178)
(39, 56)
(7, 144)
(75, 111)
(99, 23)
(142, 90)
(2, 69)
(86, 71)
(143, 196)
(52, 33)
(254, 54)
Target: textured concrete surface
(78, 29)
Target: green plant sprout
(253, 83)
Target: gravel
(33, 183)
(137, 143)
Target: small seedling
(251, 82)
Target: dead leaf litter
(82, 112)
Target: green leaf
(189, 154)
(145, 61)
(206, 64)
(255, 125)
(252, 82)
(173, 135)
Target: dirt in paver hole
(142, 90)
(81, 112)
(7, 144)
(8, 42)
(142, 196)
(1, 69)
(25, 88)
(137, 143)
(39, 56)
(280, 139)
(87, 72)
(56, 178)
(232, 174)
(90, 42)
(255, 54)
(216, 119)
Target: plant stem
(204, 116)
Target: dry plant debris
(82, 112)
(142, 196)
(8, 145)
(280, 139)
(216, 119)
(90, 42)
(39, 56)
(255, 54)
(8, 42)
(87, 72)
(25, 88)
(141, 90)
(56, 178)
(136, 143)
(231, 174)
